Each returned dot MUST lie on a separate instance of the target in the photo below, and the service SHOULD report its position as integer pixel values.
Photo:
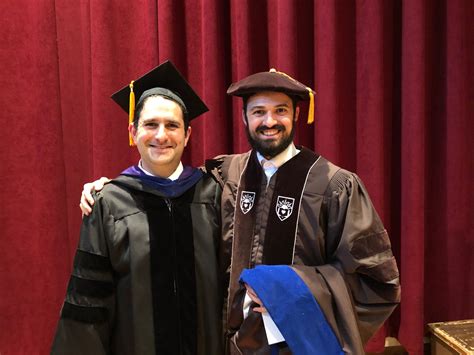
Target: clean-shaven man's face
(160, 136)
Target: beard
(271, 148)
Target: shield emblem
(284, 207)
(247, 199)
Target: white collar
(281, 158)
(172, 177)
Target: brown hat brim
(269, 81)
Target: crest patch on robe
(247, 199)
(284, 207)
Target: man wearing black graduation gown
(144, 279)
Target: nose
(160, 133)
(269, 120)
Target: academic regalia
(318, 219)
(145, 274)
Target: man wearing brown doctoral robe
(286, 205)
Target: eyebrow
(263, 106)
(166, 119)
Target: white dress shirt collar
(270, 166)
(172, 177)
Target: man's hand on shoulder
(87, 201)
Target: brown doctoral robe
(319, 219)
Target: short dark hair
(141, 104)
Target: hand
(253, 296)
(87, 201)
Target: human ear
(187, 135)
(133, 132)
(297, 113)
(244, 118)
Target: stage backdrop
(395, 103)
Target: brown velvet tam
(274, 80)
(172, 84)
(269, 81)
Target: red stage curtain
(395, 103)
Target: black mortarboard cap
(274, 81)
(164, 80)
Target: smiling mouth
(269, 132)
(159, 147)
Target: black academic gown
(145, 274)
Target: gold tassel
(131, 111)
(310, 92)
(311, 106)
